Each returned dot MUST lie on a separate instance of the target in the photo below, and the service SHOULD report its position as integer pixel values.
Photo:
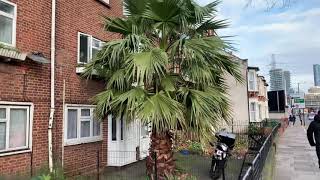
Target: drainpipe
(53, 30)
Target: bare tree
(271, 4)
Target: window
(121, 128)
(8, 16)
(114, 128)
(81, 126)
(88, 48)
(260, 111)
(252, 81)
(144, 130)
(15, 128)
(253, 111)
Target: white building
(258, 96)
(238, 95)
(312, 98)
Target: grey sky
(292, 33)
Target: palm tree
(168, 69)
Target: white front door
(144, 140)
(124, 140)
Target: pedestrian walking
(302, 119)
(314, 134)
(292, 118)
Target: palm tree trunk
(160, 160)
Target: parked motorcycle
(223, 147)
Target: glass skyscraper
(277, 80)
(316, 74)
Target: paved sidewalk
(295, 159)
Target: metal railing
(255, 167)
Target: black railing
(254, 162)
(252, 137)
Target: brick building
(25, 87)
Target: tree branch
(271, 4)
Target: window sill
(80, 70)
(14, 152)
(82, 141)
(12, 54)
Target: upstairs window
(88, 47)
(252, 81)
(8, 15)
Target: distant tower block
(273, 61)
(279, 80)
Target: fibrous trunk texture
(160, 162)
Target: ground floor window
(253, 111)
(15, 127)
(260, 111)
(80, 125)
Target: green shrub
(253, 129)
(43, 177)
(44, 174)
(195, 147)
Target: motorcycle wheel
(216, 170)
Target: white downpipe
(52, 108)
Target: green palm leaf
(164, 112)
(166, 69)
(145, 65)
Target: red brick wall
(30, 82)
(73, 17)
(15, 164)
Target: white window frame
(260, 111)
(79, 139)
(14, 22)
(253, 113)
(30, 109)
(90, 47)
(254, 81)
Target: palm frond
(134, 7)
(118, 81)
(145, 65)
(103, 101)
(164, 112)
(211, 24)
(127, 103)
(120, 25)
(156, 36)
(205, 109)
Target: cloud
(293, 34)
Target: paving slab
(295, 158)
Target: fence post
(98, 165)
